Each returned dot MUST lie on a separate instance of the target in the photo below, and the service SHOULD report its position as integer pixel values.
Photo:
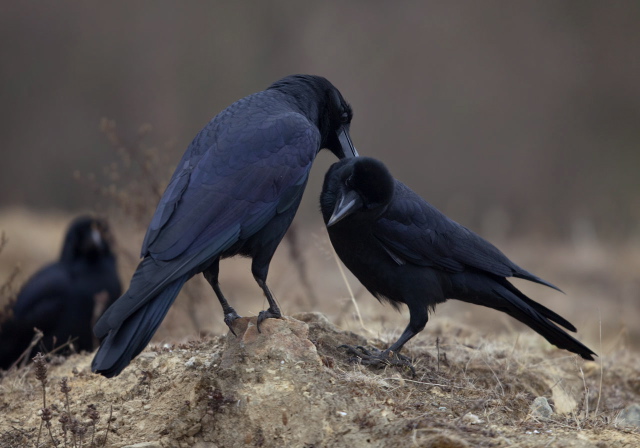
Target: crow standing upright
(63, 298)
(403, 250)
(234, 192)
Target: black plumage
(403, 250)
(64, 298)
(235, 192)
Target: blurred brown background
(518, 119)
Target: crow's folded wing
(416, 232)
(42, 298)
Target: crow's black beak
(348, 203)
(348, 149)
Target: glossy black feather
(63, 298)
(402, 249)
(234, 192)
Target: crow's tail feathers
(540, 322)
(124, 343)
(526, 275)
(546, 312)
(505, 297)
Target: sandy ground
(291, 386)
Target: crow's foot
(376, 357)
(229, 318)
(271, 313)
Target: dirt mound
(291, 386)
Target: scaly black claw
(350, 349)
(271, 313)
(229, 318)
(376, 357)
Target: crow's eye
(349, 181)
(344, 118)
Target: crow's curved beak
(347, 204)
(348, 149)
(96, 237)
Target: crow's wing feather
(151, 277)
(420, 234)
(43, 296)
(240, 179)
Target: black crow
(63, 298)
(403, 250)
(234, 192)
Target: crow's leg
(391, 356)
(211, 274)
(265, 243)
(260, 268)
(372, 356)
(273, 311)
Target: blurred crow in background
(235, 192)
(403, 250)
(65, 298)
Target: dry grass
(479, 392)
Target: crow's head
(324, 105)
(361, 187)
(87, 238)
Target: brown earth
(291, 386)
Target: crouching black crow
(64, 299)
(234, 192)
(403, 250)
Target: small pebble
(540, 408)
(195, 429)
(630, 416)
(471, 419)
(437, 390)
(191, 362)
